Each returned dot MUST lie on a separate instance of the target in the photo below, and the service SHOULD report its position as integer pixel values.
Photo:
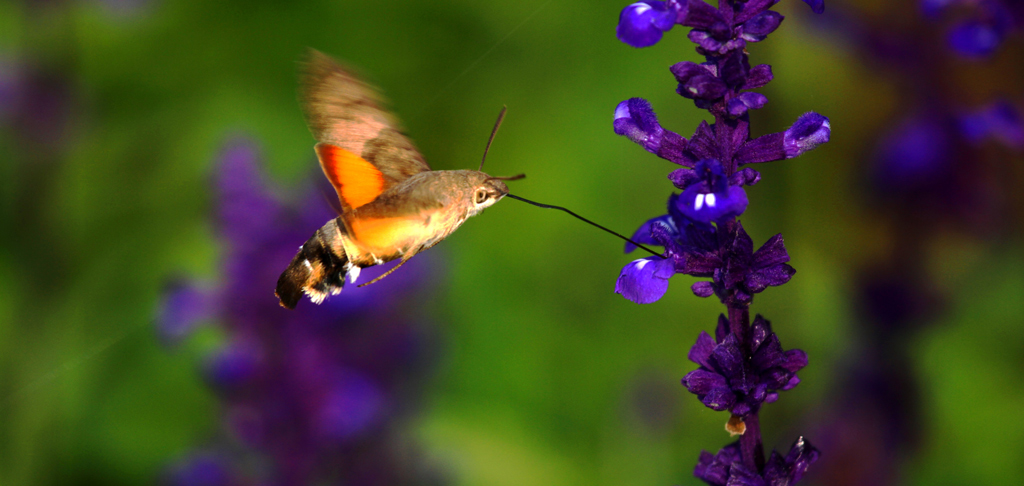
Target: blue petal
(643, 234)
(645, 280)
(714, 206)
(643, 23)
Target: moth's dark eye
(480, 197)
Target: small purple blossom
(635, 119)
(737, 271)
(728, 381)
(809, 131)
(726, 469)
(643, 23)
(708, 195)
(645, 280)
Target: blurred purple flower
(314, 387)
(984, 31)
(1001, 121)
(183, 308)
(201, 469)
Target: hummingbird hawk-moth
(393, 205)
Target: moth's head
(486, 190)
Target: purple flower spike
(744, 365)
(817, 6)
(643, 23)
(644, 281)
(975, 39)
(635, 119)
(809, 131)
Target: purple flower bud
(714, 469)
(703, 289)
(746, 101)
(698, 81)
(745, 177)
(643, 23)
(735, 69)
(809, 131)
(645, 280)
(975, 39)
(758, 28)
(758, 76)
(700, 14)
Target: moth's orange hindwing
(387, 236)
(357, 181)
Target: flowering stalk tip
(744, 365)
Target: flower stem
(751, 446)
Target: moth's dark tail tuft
(317, 270)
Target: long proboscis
(581, 218)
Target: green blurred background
(545, 374)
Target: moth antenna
(581, 218)
(501, 116)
